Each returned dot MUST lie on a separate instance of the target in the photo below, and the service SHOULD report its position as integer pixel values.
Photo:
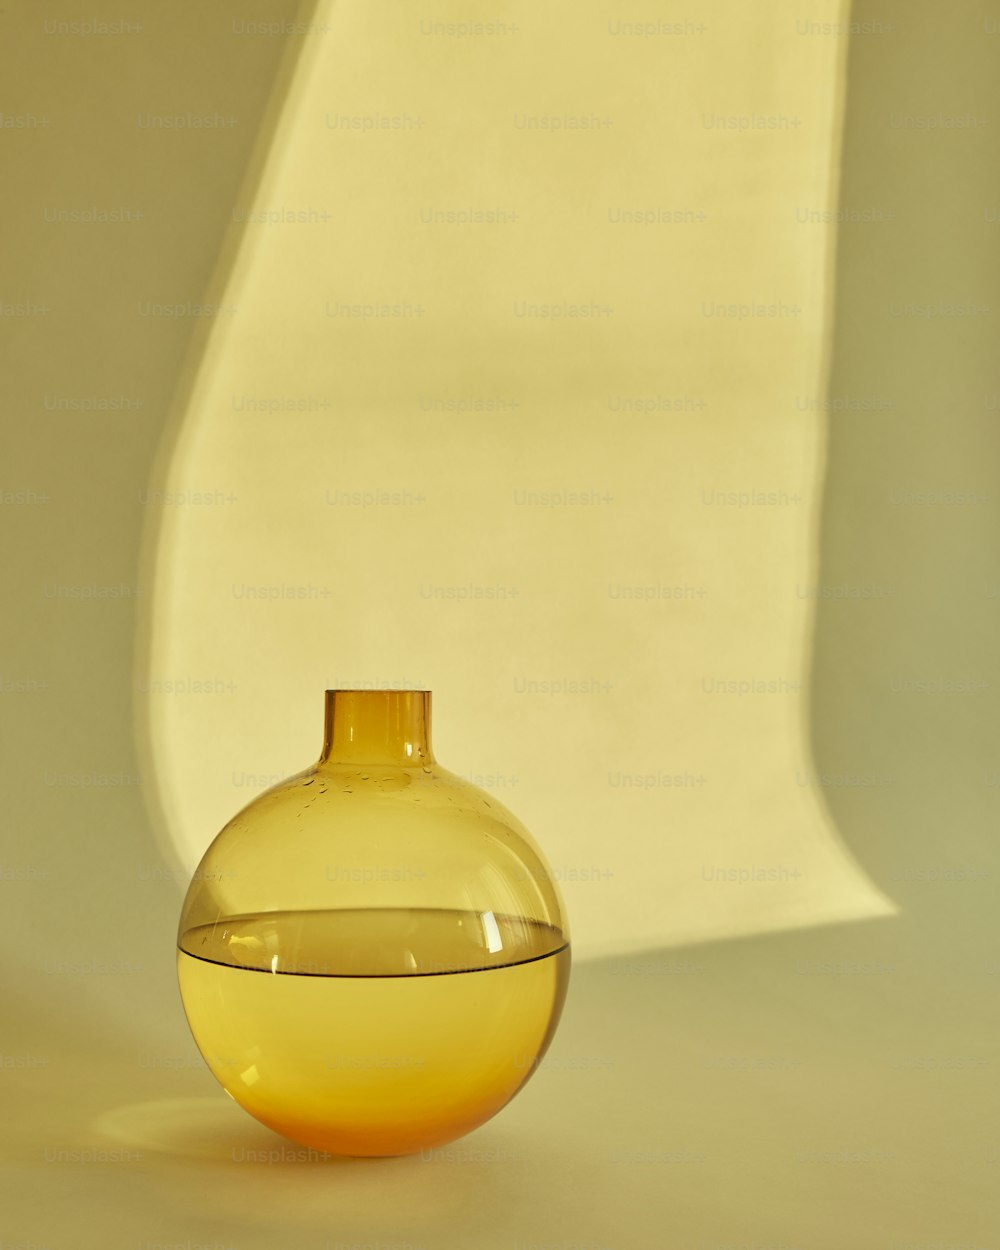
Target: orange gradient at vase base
(432, 1022)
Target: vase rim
(372, 690)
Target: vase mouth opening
(372, 690)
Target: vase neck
(377, 727)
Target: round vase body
(373, 955)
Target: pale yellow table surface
(824, 1089)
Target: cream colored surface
(781, 1092)
(653, 744)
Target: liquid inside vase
(373, 1031)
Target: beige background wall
(647, 441)
(905, 684)
(84, 882)
(83, 473)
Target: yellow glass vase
(373, 955)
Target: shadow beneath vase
(204, 1129)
